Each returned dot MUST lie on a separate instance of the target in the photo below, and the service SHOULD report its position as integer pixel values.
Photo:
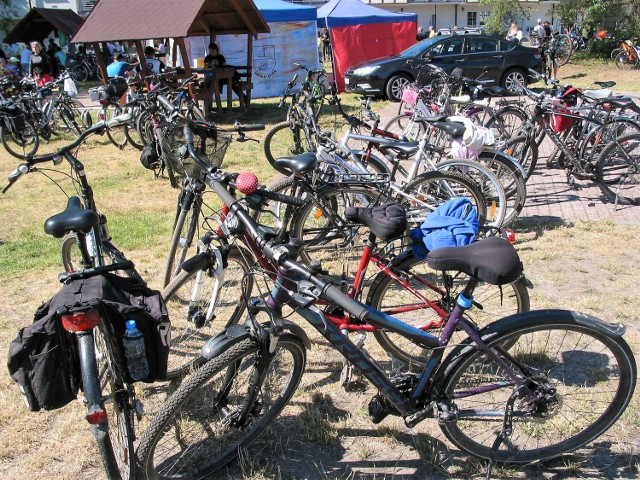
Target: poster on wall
(274, 54)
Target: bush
(602, 48)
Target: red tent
(360, 32)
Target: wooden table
(220, 74)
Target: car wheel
(513, 79)
(395, 86)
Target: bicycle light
(509, 235)
(80, 321)
(96, 416)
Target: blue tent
(279, 11)
(340, 13)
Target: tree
(503, 13)
(9, 16)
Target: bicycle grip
(281, 197)
(250, 128)
(335, 296)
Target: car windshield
(418, 48)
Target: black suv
(494, 59)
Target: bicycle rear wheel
(563, 49)
(618, 170)
(326, 235)
(213, 415)
(120, 399)
(582, 380)
(389, 296)
(424, 193)
(197, 316)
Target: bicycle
(528, 370)
(109, 392)
(313, 86)
(628, 57)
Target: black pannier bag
(13, 118)
(43, 358)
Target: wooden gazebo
(124, 20)
(40, 22)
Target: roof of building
(114, 20)
(40, 22)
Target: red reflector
(509, 235)
(80, 321)
(96, 417)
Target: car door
(448, 54)
(484, 60)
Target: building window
(472, 19)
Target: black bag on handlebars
(43, 358)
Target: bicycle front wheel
(20, 143)
(580, 381)
(284, 141)
(618, 170)
(214, 414)
(409, 304)
(624, 61)
(563, 49)
(201, 304)
(117, 135)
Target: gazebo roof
(40, 22)
(116, 20)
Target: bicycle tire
(406, 126)
(429, 189)
(597, 140)
(185, 229)
(20, 144)
(188, 303)
(116, 135)
(79, 73)
(144, 125)
(615, 52)
(625, 62)
(284, 141)
(120, 410)
(319, 91)
(191, 418)
(326, 236)
(506, 121)
(525, 150)
(388, 296)
(563, 49)
(618, 168)
(589, 378)
(491, 187)
(131, 132)
(511, 177)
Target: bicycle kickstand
(507, 429)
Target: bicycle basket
(410, 95)
(211, 150)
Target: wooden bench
(246, 85)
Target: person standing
(25, 59)
(432, 31)
(538, 31)
(326, 45)
(119, 68)
(41, 66)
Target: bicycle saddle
(454, 129)
(305, 162)
(492, 260)
(387, 221)
(73, 219)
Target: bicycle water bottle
(135, 353)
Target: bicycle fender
(510, 158)
(237, 333)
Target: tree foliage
(503, 13)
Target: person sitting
(153, 64)
(215, 60)
(119, 68)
